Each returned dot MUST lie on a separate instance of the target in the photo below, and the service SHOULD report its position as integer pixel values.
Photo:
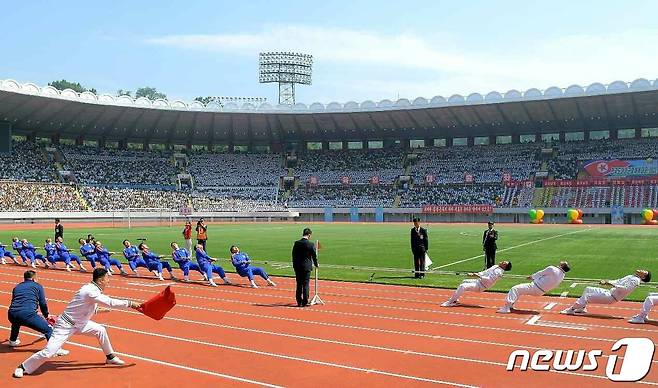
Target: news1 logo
(634, 365)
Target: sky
(362, 50)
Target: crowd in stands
(102, 198)
(486, 164)
(359, 165)
(27, 162)
(464, 194)
(92, 165)
(600, 197)
(211, 170)
(609, 149)
(339, 196)
(21, 196)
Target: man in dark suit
(419, 246)
(304, 257)
(59, 229)
(489, 245)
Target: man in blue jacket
(26, 298)
(242, 264)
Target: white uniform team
(483, 281)
(597, 295)
(542, 282)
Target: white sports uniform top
(84, 304)
(490, 276)
(624, 286)
(548, 278)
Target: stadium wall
(164, 217)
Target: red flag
(159, 305)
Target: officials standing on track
(59, 229)
(419, 247)
(304, 257)
(489, 245)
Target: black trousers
(203, 243)
(28, 319)
(489, 258)
(419, 264)
(303, 278)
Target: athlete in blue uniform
(31, 253)
(18, 247)
(5, 253)
(205, 263)
(131, 253)
(64, 252)
(104, 257)
(88, 251)
(154, 263)
(53, 257)
(242, 264)
(182, 257)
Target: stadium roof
(45, 111)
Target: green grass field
(594, 252)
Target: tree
(205, 100)
(150, 93)
(64, 84)
(122, 92)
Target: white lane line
(564, 294)
(512, 247)
(550, 306)
(159, 362)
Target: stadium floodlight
(286, 69)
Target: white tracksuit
(597, 295)
(487, 279)
(542, 282)
(76, 320)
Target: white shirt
(84, 303)
(624, 286)
(548, 278)
(490, 276)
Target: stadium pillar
(389, 143)
(5, 137)
(449, 142)
(345, 145)
(492, 139)
(32, 137)
(123, 144)
(54, 139)
(276, 147)
(325, 145)
(613, 134)
(231, 147)
(429, 142)
(562, 136)
(586, 135)
(470, 141)
(516, 139)
(145, 145)
(638, 133)
(79, 141)
(364, 144)
(101, 143)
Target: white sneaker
(226, 281)
(115, 361)
(212, 283)
(68, 268)
(62, 352)
(580, 311)
(160, 277)
(448, 304)
(123, 273)
(205, 277)
(18, 373)
(568, 311)
(186, 279)
(271, 283)
(82, 268)
(34, 265)
(504, 310)
(3, 261)
(637, 319)
(253, 284)
(15, 343)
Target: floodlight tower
(287, 69)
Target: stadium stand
(28, 162)
(28, 196)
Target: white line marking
(154, 361)
(564, 294)
(573, 285)
(534, 321)
(151, 285)
(550, 306)
(512, 247)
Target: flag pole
(316, 298)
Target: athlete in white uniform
(597, 295)
(76, 320)
(542, 282)
(483, 281)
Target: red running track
(366, 334)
